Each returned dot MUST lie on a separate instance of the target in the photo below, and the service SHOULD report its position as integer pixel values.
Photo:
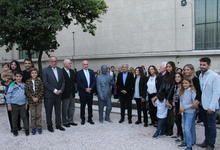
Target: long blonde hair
(191, 67)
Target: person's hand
(154, 98)
(142, 99)
(9, 108)
(209, 111)
(26, 106)
(181, 110)
(195, 104)
(124, 92)
(88, 90)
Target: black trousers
(141, 107)
(83, 102)
(170, 122)
(178, 121)
(152, 109)
(125, 103)
(10, 120)
(49, 103)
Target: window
(23, 54)
(207, 24)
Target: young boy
(34, 91)
(162, 108)
(17, 103)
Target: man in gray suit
(54, 85)
(104, 84)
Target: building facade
(145, 32)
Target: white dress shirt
(136, 88)
(55, 73)
(210, 87)
(86, 72)
(151, 85)
(67, 71)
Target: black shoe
(15, 133)
(121, 120)
(182, 145)
(202, 145)
(73, 124)
(82, 122)
(66, 125)
(27, 132)
(50, 128)
(34, 131)
(138, 122)
(19, 128)
(39, 130)
(145, 125)
(60, 128)
(178, 140)
(129, 121)
(188, 148)
(156, 135)
(91, 122)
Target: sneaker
(202, 145)
(188, 148)
(156, 135)
(27, 132)
(182, 145)
(39, 130)
(33, 131)
(138, 122)
(15, 133)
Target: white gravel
(107, 136)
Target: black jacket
(142, 87)
(167, 90)
(129, 85)
(69, 84)
(158, 82)
(196, 84)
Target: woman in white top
(152, 88)
(140, 95)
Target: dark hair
(5, 64)
(169, 77)
(27, 59)
(34, 69)
(18, 69)
(205, 59)
(181, 75)
(141, 72)
(155, 69)
(179, 70)
(18, 72)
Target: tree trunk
(40, 63)
(29, 54)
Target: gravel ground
(107, 136)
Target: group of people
(170, 95)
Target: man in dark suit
(125, 85)
(68, 95)
(54, 86)
(86, 87)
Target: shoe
(33, 131)
(188, 148)
(203, 145)
(91, 122)
(138, 122)
(101, 121)
(182, 145)
(19, 128)
(156, 135)
(66, 125)
(82, 122)
(178, 140)
(27, 132)
(108, 120)
(174, 137)
(50, 128)
(129, 121)
(121, 120)
(145, 125)
(60, 128)
(15, 133)
(39, 130)
(209, 148)
(73, 124)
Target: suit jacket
(38, 93)
(69, 84)
(50, 82)
(82, 83)
(129, 85)
(142, 87)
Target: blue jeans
(161, 126)
(210, 127)
(189, 128)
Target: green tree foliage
(32, 25)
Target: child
(34, 91)
(17, 103)
(162, 107)
(187, 107)
(176, 104)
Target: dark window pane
(211, 36)
(200, 36)
(211, 10)
(200, 11)
(219, 10)
(23, 54)
(218, 36)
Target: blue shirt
(125, 74)
(186, 100)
